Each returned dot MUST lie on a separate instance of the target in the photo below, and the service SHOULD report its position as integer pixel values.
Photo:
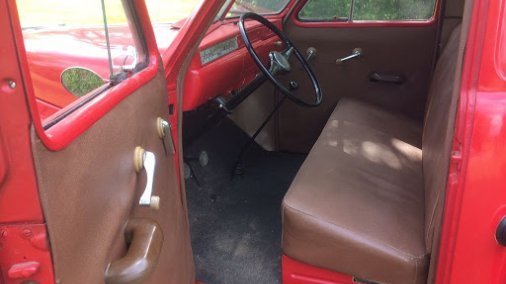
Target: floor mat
(236, 223)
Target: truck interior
(310, 142)
(354, 185)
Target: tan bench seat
(363, 202)
(358, 198)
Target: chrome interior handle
(355, 53)
(146, 160)
(310, 53)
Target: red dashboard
(208, 78)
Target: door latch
(355, 53)
(310, 53)
(164, 133)
(146, 160)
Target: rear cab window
(366, 10)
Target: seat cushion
(356, 205)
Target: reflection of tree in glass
(80, 81)
(368, 9)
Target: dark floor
(236, 223)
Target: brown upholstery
(90, 190)
(434, 135)
(364, 199)
(356, 205)
(407, 50)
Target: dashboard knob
(294, 85)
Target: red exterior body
(295, 272)
(23, 243)
(476, 196)
(25, 254)
(19, 200)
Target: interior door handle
(146, 238)
(355, 53)
(387, 78)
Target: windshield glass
(263, 7)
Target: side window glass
(76, 49)
(384, 10)
(324, 10)
(367, 10)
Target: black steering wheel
(280, 61)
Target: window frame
(139, 43)
(315, 23)
(65, 131)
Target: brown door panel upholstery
(90, 190)
(407, 51)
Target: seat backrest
(436, 144)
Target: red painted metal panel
(45, 109)
(295, 272)
(19, 200)
(476, 195)
(24, 254)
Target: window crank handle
(146, 160)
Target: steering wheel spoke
(280, 61)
